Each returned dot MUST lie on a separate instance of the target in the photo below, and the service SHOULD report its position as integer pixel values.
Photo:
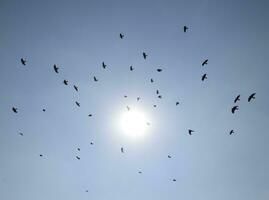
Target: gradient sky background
(78, 36)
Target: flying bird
(174, 180)
(148, 123)
(128, 108)
(78, 104)
(252, 96)
(169, 156)
(234, 109)
(125, 96)
(121, 36)
(78, 149)
(151, 80)
(205, 62)
(21, 134)
(190, 131)
(76, 88)
(121, 149)
(89, 115)
(87, 191)
(204, 77)
(78, 157)
(56, 69)
(185, 28)
(15, 110)
(140, 172)
(237, 98)
(44, 110)
(157, 91)
(23, 61)
(231, 132)
(95, 79)
(41, 155)
(144, 55)
(159, 70)
(177, 103)
(138, 98)
(131, 68)
(104, 65)
(65, 82)
(154, 106)
(91, 143)
(160, 96)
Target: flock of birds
(121, 35)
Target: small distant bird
(125, 96)
(65, 82)
(177, 103)
(21, 134)
(234, 109)
(89, 115)
(151, 80)
(23, 61)
(78, 104)
(78, 149)
(144, 55)
(190, 131)
(205, 62)
(138, 98)
(148, 123)
(76, 88)
(104, 65)
(121, 149)
(185, 28)
(15, 110)
(174, 180)
(91, 143)
(121, 36)
(204, 77)
(44, 110)
(87, 191)
(41, 155)
(252, 96)
(128, 108)
(78, 157)
(169, 156)
(157, 91)
(160, 96)
(56, 69)
(231, 132)
(237, 98)
(140, 172)
(95, 79)
(131, 68)
(154, 106)
(159, 70)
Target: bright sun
(134, 123)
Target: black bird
(160, 96)
(104, 65)
(154, 106)
(15, 110)
(78, 157)
(89, 115)
(95, 79)
(91, 143)
(177, 103)
(125, 96)
(252, 96)
(144, 55)
(76, 88)
(138, 98)
(204, 77)
(148, 123)
(78, 104)
(121, 36)
(121, 149)
(157, 91)
(185, 28)
(41, 155)
(205, 62)
(23, 61)
(237, 98)
(87, 191)
(131, 68)
(151, 80)
(190, 131)
(159, 70)
(169, 156)
(65, 82)
(174, 180)
(234, 109)
(56, 68)
(44, 110)
(128, 108)
(231, 132)
(21, 134)
(78, 149)
(140, 172)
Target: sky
(78, 36)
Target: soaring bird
(190, 131)
(160, 96)
(91, 143)
(89, 115)
(75, 87)
(185, 28)
(131, 68)
(154, 105)
(87, 191)
(23, 61)
(157, 91)
(78, 149)
(138, 98)
(140, 172)
(151, 80)
(237, 98)
(78, 104)
(21, 134)
(121, 36)
(234, 109)
(41, 155)
(128, 108)
(121, 149)
(148, 123)
(177, 103)
(174, 180)
(15, 110)
(56, 69)
(44, 110)
(231, 132)
(104, 65)
(125, 96)
(144, 55)
(169, 156)
(252, 96)
(78, 157)
(204, 77)
(205, 62)
(95, 79)
(65, 82)
(159, 70)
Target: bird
(159, 70)
(252, 96)
(121, 36)
(131, 68)
(76, 88)
(138, 98)
(140, 172)
(44, 110)
(78, 157)
(185, 28)
(78, 149)
(204, 77)
(125, 96)
(23, 61)
(157, 91)
(174, 180)
(177, 103)
(89, 115)
(234, 109)
(148, 123)
(231, 132)
(95, 79)
(56, 69)
(237, 98)
(78, 104)
(190, 131)
(154, 105)
(91, 143)
(41, 155)
(15, 110)
(151, 80)
(104, 65)
(65, 82)
(21, 134)
(169, 156)
(87, 191)
(160, 96)
(121, 149)
(144, 55)
(128, 108)
(205, 62)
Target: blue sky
(78, 36)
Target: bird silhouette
(87, 191)
(76, 88)
(177, 103)
(104, 65)
(121, 36)
(237, 98)
(205, 62)
(95, 79)
(204, 77)
(131, 68)
(252, 96)
(159, 70)
(21, 134)
(160, 96)
(144, 55)
(190, 131)
(157, 91)
(234, 109)
(65, 82)
(121, 149)
(151, 80)
(169, 156)
(78, 149)
(154, 105)
(231, 132)
(91, 143)
(125, 96)
(15, 110)
(148, 123)
(128, 108)
(41, 155)
(185, 28)
(23, 61)
(174, 180)
(78, 104)
(140, 172)
(138, 98)
(56, 69)
(78, 157)
(44, 110)
(89, 115)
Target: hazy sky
(78, 36)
